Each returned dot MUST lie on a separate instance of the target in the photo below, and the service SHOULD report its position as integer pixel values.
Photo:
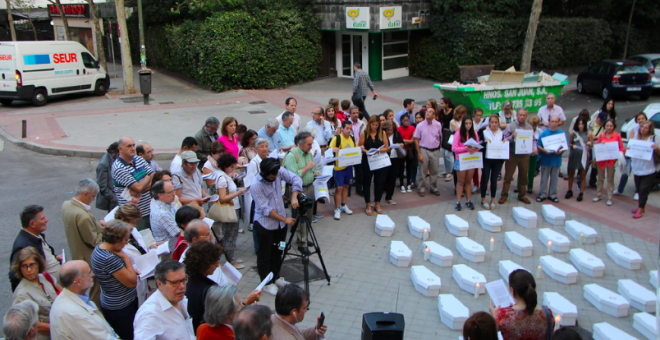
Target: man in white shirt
(323, 128)
(188, 144)
(164, 316)
(290, 105)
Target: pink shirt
(231, 146)
(457, 146)
(429, 135)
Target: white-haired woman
(221, 304)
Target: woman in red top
(228, 136)
(221, 304)
(607, 166)
(409, 163)
(182, 217)
(525, 320)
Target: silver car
(652, 63)
(652, 113)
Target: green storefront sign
(491, 99)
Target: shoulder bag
(223, 212)
(548, 320)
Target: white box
(489, 221)
(575, 229)
(624, 256)
(499, 336)
(384, 226)
(646, 324)
(587, 263)
(452, 312)
(416, 226)
(606, 300)
(467, 278)
(456, 225)
(560, 305)
(470, 250)
(426, 283)
(559, 270)
(518, 244)
(400, 254)
(552, 214)
(560, 243)
(525, 217)
(506, 267)
(605, 331)
(638, 296)
(653, 279)
(438, 254)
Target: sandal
(540, 199)
(635, 210)
(378, 210)
(636, 216)
(554, 199)
(368, 211)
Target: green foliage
(641, 41)
(493, 8)
(429, 60)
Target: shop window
(394, 63)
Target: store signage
(357, 18)
(390, 17)
(75, 11)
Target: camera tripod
(302, 215)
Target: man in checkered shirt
(361, 85)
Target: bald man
(196, 230)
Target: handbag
(223, 212)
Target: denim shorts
(456, 164)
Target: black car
(616, 77)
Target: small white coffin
(553, 215)
(467, 278)
(559, 305)
(426, 283)
(576, 229)
(400, 254)
(456, 225)
(606, 300)
(506, 267)
(438, 254)
(605, 331)
(560, 243)
(624, 256)
(645, 323)
(559, 270)
(499, 336)
(525, 217)
(587, 263)
(653, 278)
(470, 250)
(638, 296)
(384, 226)
(518, 244)
(489, 221)
(452, 312)
(416, 226)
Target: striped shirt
(114, 295)
(362, 83)
(126, 174)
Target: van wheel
(6, 102)
(40, 97)
(100, 88)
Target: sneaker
(317, 215)
(596, 199)
(314, 220)
(448, 177)
(616, 192)
(250, 227)
(474, 189)
(271, 289)
(238, 265)
(469, 205)
(457, 207)
(391, 202)
(403, 188)
(409, 189)
(240, 230)
(281, 282)
(493, 205)
(337, 215)
(609, 202)
(345, 210)
(238, 261)
(636, 197)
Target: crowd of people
(228, 172)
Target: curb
(49, 150)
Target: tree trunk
(10, 17)
(34, 30)
(526, 62)
(65, 23)
(625, 48)
(100, 52)
(126, 61)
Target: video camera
(304, 201)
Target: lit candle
(557, 321)
(492, 244)
(426, 253)
(539, 271)
(476, 291)
(426, 234)
(582, 239)
(549, 247)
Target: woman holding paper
(525, 319)
(228, 192)
(248, 149)
(633, 131)
(607, 166)
(492, 167)
(464, 177)
(580, 139)
(373, 137)
(645, 170)
(396, 158)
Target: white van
(34, 70)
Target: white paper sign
(524, 142)
(321, 189)
(379, 161)
(499, 294)
(606, 151)
(639, 149)
(350, 156)
(555, 142)
(469, 161)
(497, 150)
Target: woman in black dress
(373, 137)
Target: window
(395, 50)
(621, 69)
(88, 60)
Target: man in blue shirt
(286, 131)
(551, 161)
(269, 132)
(408, 108)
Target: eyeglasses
(177, 283)
(170, 192)
(29, 266)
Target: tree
(526, 62)
(65, 23)
(99, 41)
(10, 17)
(24, 8)
(625, 48)
(126, 60)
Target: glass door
(353, 48)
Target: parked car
(652, 113)
(652, 63)
(610, 78)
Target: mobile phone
(375, 96)
(321, 319)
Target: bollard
(24, 129)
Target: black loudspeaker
(382, 326)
